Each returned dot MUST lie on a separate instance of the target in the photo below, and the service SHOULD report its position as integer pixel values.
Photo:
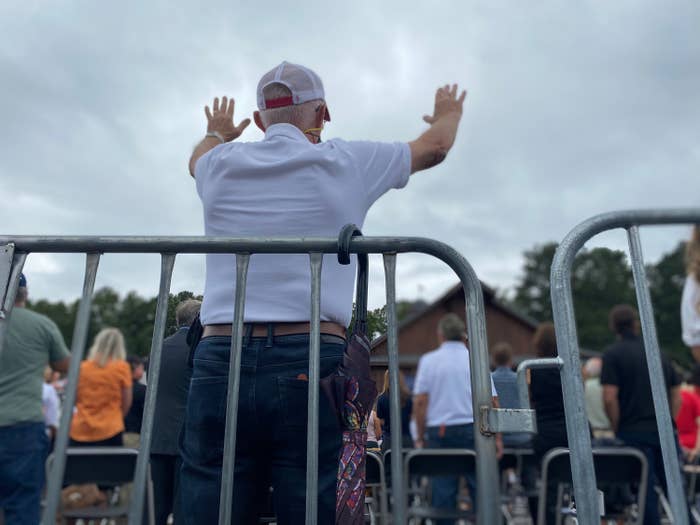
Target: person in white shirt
(290, 184)
(690, 301)
(50, 406)
(442, 405)
(593, 392)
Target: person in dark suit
(170, 414)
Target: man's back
(172, 394)
(505, 381)
(444, 374)
(32, 342)
(287, 187)
(625, 366)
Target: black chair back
(101, 465)
(440, 462)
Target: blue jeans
(445, 487)
(271, 433)
(23, 450)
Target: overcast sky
(573, 109)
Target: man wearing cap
(32, 341)
(290, 184)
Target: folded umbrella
(352, 391)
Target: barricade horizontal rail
(16, 249)
(567, 344)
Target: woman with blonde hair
(690, 301)
(383, 412)
(104, 393)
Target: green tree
(601, 278)
(666, 279)
(532, 294)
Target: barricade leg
(82, 322)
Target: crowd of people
(108, 411)
(293, 184)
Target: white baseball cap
(304, 84)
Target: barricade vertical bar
(234, 380)
(656, 378)
(137, 499)
(392, 349)
(582, 470)
(488, 509)
(9, 290)
(82, 323)
(316, 260)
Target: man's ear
(258, 121)
(321, 117)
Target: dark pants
(445, 488)
(271, 433)
(116, 440)
(165, 472)
(649, 444)
(23, 450)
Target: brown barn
(417, 333)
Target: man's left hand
(221, 119)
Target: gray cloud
(572, 110)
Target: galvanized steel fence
(13, 253)
(567, 343)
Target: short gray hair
(186, 311)
(452, 328)
(22, 294)
(299, 115)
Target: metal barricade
(583, 473)
(13, 253)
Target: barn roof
(489, 299)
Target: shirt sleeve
(609, 375)
(494, 392)
(203, 164)
(690, 312)
(422, 383)
(382, 412)
(672, 378)
(51, 405)
(124, 374)
(57, 347)
(381, 166)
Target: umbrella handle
(346, 234)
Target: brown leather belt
(261, 329)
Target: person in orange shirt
(104, 393)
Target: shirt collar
(285, 130)
(453, 345)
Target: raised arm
(431, 147)
(220, 128)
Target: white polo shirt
(690, 312)
(285, 186)
(444, 374)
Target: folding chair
(112, 466)
(432, 462)
(376, 480)
(613, 465)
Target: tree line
(601, 279)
